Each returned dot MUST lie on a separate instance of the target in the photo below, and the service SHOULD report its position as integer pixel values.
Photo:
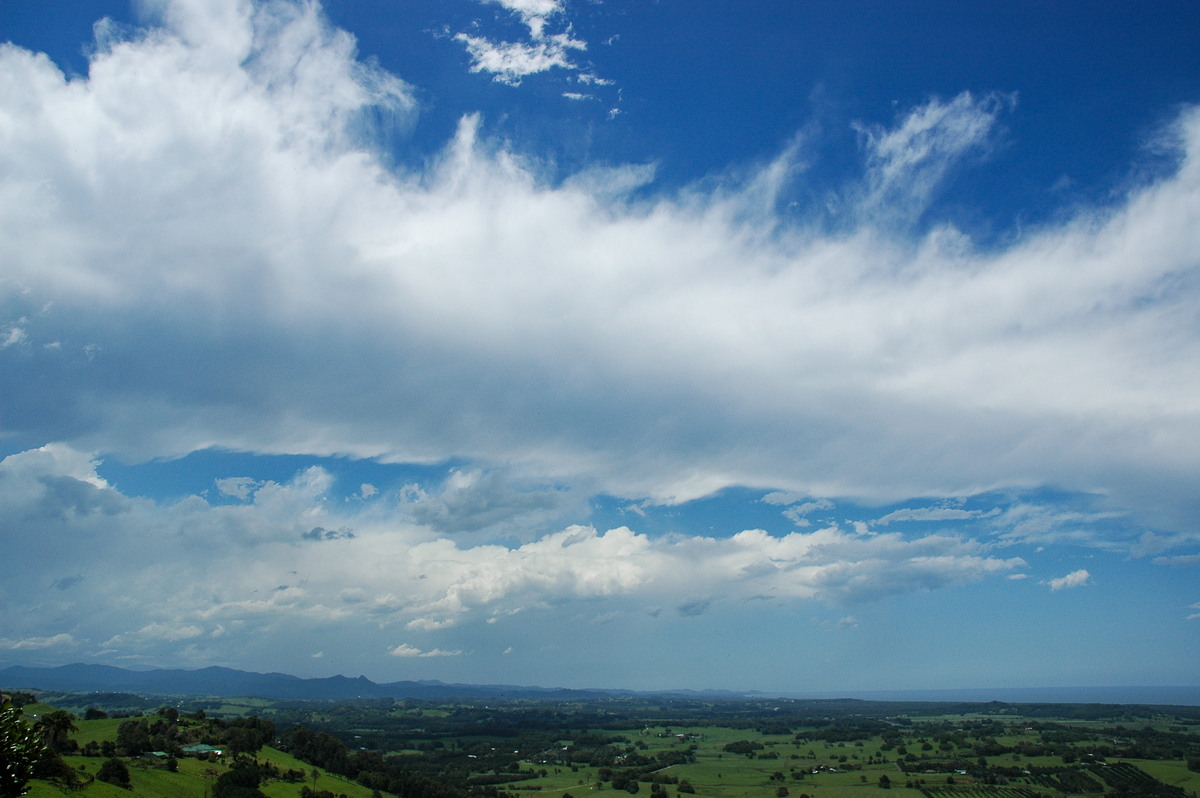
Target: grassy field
(801, 762)
(1173, 773)
(193, 780)
(722, 774)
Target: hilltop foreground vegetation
(99, 744)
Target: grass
(194, 779)
(719, 774)
(148, 782)
(1174, 773)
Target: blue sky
(790, 346)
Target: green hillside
(153, 751)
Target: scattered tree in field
(884, 782)
(56, 728)
(133, 737)
(114, 771)
(240, 782)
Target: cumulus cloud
(225, 572)
(510, 62)
(1073, 579)
(533, 13)
(237, 487)
(486, 502)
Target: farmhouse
(200, 749)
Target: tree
(242, 741)
(884, 782)
(114, 771)
(241, 782)
(133, 737)
(56, 728)
(20, 751)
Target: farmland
(667, 746)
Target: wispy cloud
(929, 514)
(908, 162)
(36, 643)
(405, 651)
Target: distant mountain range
(228, 682)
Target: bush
(20, 751)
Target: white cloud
(509, 62)
(1033, 522)
(859, 364)
(237, 487)
(907, 163)
(15, 335)
(929, 514)
(215, 575)
(533, 13)
(404, 650)
(154, 633)
(661, 348)
(1073, 579)
(36, 643)
(797, 509)
(1185, 560)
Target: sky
(785, 346)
